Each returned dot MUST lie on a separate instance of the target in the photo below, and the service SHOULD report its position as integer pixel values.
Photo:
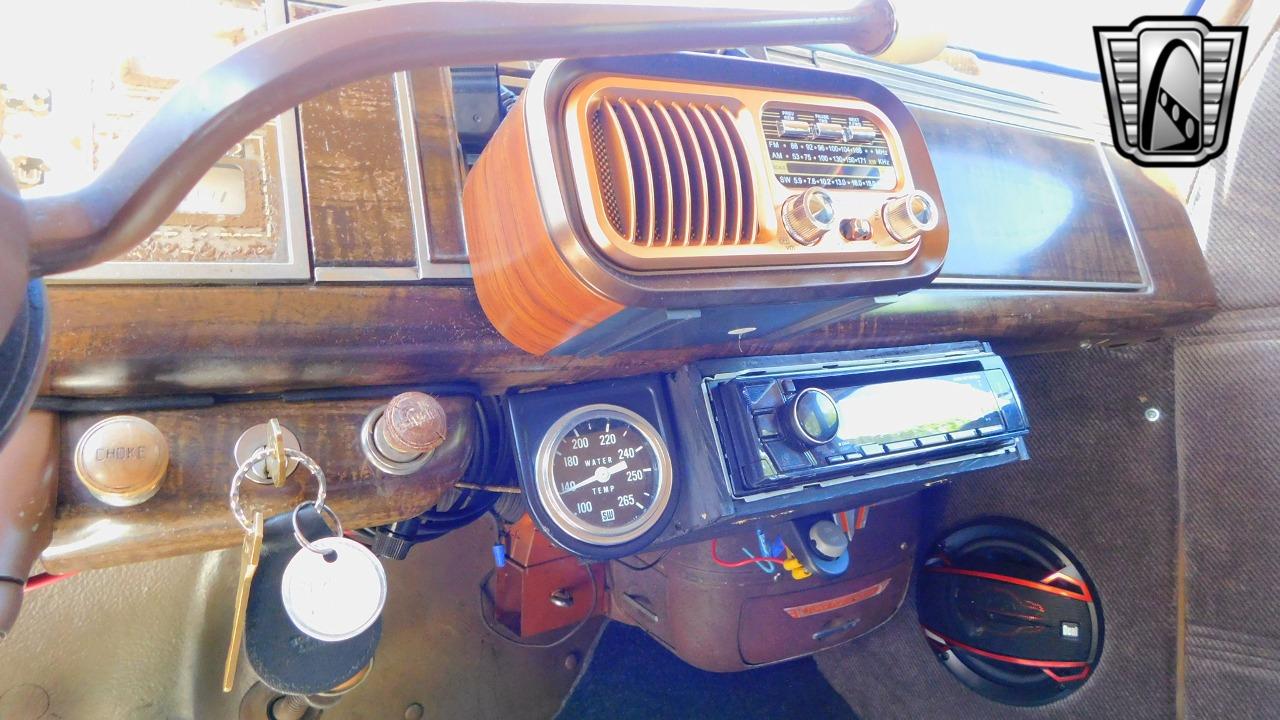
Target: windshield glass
(1058, 33)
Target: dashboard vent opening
(672, 173)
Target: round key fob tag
(335, 591)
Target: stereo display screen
(921, 407)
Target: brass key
(250, 551)
(277, 465)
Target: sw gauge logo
(1170, 84)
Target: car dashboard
(718, 311)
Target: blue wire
(759, 563)
(765, 566)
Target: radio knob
(906, 216)
(811, 417)
(807, 216)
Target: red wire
(36, 582)
(741, 563)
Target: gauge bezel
(558, 512)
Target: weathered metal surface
(148, 640)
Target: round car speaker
(1010, 612)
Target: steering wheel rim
(15, 243)
(23, 352)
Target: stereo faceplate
(787, 427)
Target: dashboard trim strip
(413, 170)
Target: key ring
(262, 454)
(323, 510)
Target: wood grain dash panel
(524, 285)
(353, 156)
(1027, 206)
(190, 513)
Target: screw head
(1152, 414)
(414, 711)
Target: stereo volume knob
(812, 417)
(906, 216)
(808, 215)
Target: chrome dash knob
(413, 423)
(807, 216)
(906, 216)
(121, 460)
(399, 437)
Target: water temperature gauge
(603, 475)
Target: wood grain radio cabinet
(681, 200)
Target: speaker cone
(1010, 612)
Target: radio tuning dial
(906, 216)
(811, 417)
(808, 216)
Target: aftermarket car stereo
(795, 425)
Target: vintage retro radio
(677, 200)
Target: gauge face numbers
(604, 472)
(604, 475)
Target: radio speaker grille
(672, 173)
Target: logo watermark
(1170, 85)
